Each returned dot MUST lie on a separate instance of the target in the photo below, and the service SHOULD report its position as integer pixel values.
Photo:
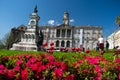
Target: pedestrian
(107, 45)
(101, 43)
(97, 46)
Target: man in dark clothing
(107, 45)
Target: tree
(118, 20)
(4, 41)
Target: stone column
(70, 43)
(65, 43)
(66, 33)
(59, 43)
(60, 33)
(71, 34)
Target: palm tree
(118, 20)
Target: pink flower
(119, 76)
(19, 62)
(71, 77)
(80, 61)
(97, 68)
(117, 60)
(34, 67)
(85, 71)
(17, 68)
(63, 66)
(57, 72)
(118, 67)
(24, 74)
(94, 61)
(1, 71)
(32, 60)
(57, 64)
(28, 64)
(11, 73)
(20, 56)
(51, 58)
(1, 66)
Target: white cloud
(72, 20)
(51, 22)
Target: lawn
(107, 55)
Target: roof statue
(35, 9)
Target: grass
(69, 56)
(15, 52)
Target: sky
(103, 13)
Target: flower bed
(58, 66)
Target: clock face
(32, 22)
(65, 16)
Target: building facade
(63, 36)
(114, 39)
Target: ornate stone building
(64, 35)
(114, 39)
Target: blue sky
(103, 13)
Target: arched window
(62, 43)
(33, 37)
(26, 37)
(68, 44)
(57, 43)
(58, 33)
(29, 36)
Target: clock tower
(34, 19)
(66, 19)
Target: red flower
(85, 71)
(51, 58)
(34, 67)
(87, 51)
(63, 66)
(119, 76)
(51, 48)
(102, 52)
(57, 72)
(24, 74)
(45, 44)
(78, 49)
(71, 77)
(51, 44)
(17, 68)
(67, 50)
(11, 74)
(19, 62)
(61, 49)
(2, 66)
(73, 49)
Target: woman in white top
(101, 43)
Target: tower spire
(35, 9)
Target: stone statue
(35, 9)
(39, 39)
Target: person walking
(107, 45)
(101, 43)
